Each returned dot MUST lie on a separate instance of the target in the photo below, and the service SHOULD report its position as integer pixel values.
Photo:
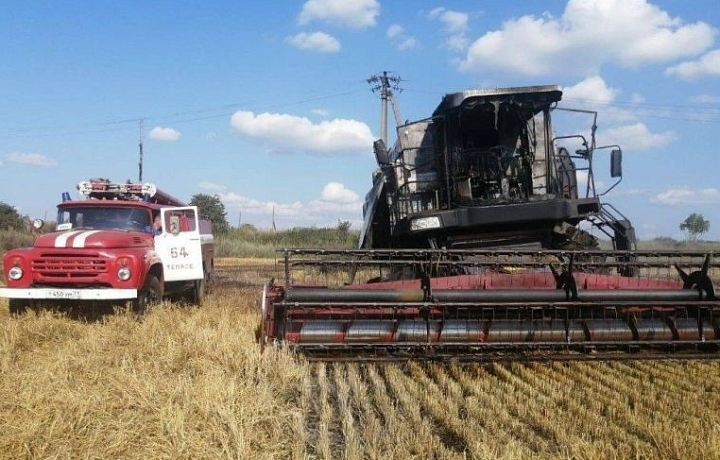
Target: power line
(68, 133)
(23, 133)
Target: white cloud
(636, 136)
(706, 99)
(316, 41)
(407, 44)
(707, 66)
(637, 98)
(591, 89)
(335, 192)
(394, 30)
(164, 134)
(627, 192)
(403, 41)
(34, 159)
(212, 186)
(357, 14)
(290, 133)
(253, 206)
(588, 34)
(335, 202)
(455, 25)
(625, 128)
(582, 182)
(321, 112)
(686, 195)
(595, 94)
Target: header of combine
(542, 304)
(103, 189)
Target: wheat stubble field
(191, 383)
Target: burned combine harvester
(472, 247)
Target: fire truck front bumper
(68, 294)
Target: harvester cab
(473, 246)
(487, 170)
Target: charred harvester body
(472, 247)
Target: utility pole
(386, 84)
(141, 121)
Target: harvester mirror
(38, 224)
(381, 153)
(616, 163)
(174, 224)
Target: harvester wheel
(149, 295)
(18, 306)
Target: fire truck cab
(119, 242)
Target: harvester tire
(150, 294)
(18, 306)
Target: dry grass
(191, 383)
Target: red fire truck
(118, 242)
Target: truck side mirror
(381, 153)
(616, 163)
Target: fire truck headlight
(124, 273)
(15, 273)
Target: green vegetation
(213, 209)
(9, 218)
(11, 239)
(694, 226)
(665, 243)
(248, 241)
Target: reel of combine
(533, 304)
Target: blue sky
(266, 104)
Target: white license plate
(63, 294)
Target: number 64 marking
(178, 252)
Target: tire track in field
(510, 432)
(406, 393)
(374, 439)
(396, 426)
(346, 413)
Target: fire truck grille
(69, 266)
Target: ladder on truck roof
(103, 189)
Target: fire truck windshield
(96, 217)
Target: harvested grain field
(191, 383)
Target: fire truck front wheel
(149, 295)
(18, 306)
